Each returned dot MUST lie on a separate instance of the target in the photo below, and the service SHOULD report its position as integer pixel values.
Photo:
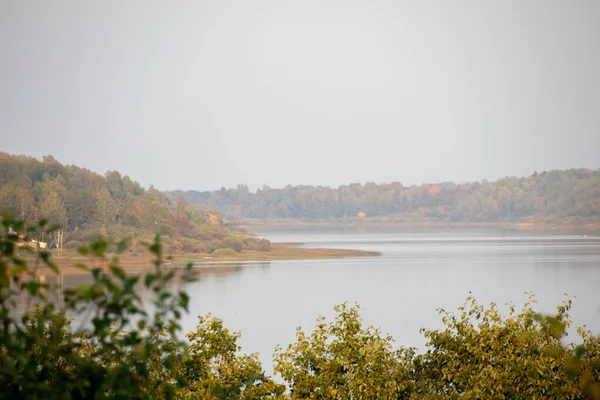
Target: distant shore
(387, 223)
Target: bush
(483, 354)
(215, 362)
(265, 245)
(251, 243)
(232, 243)
(224, 253)
(194, 246)
(343, 357)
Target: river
(418, 272)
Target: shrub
(232, 243)
(252, 243)
(194, 246)
(224, 253)
(265, 245)
(483, 354)
(214, 362)
(343, 359)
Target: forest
(86, 204)
(558, 196)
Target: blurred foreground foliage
(126, 348)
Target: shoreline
(280, 252)
(380, 223)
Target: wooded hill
(86, 204)
(568, 196)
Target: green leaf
(118, 272)
(149, 279)
(130, 283)
(122, 246)
(17, 269)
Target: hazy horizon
(203, 95)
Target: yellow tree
(105, 207)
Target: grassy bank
(290, 251)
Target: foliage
(343, 360)
(252, 243)
(555, 196)
(224, 253)
(123, 351)
(481, 351)
(232, 243)
(214, 370)
(479, 354)
(265, 245)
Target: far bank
(258, 225)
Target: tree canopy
(554, 196)
(85, 204)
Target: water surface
(418, 272)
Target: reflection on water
(226, 269)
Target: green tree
(53, 207)
(215, 370)
(483, 354)
(105, 207)
(343, 360)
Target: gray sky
(204, 94)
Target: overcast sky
(204, 94)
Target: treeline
(130, 352)
(555, 196)
(86, 204)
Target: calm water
(418, 272)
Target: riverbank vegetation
(560, 196)
(121, 349)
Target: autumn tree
(343, 360)
(214, 369)
(105, 207)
